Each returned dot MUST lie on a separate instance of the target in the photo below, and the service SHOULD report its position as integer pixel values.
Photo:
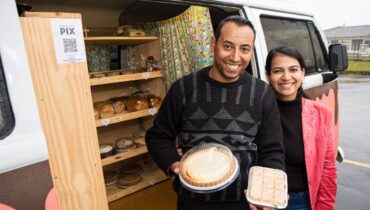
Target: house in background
(355, 38)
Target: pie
(207, 167)
(267, 186)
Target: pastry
(105, 150)
(139, 137)
(110, 177)
(129, 180)
(124, 144)
(207, 167)
(131, 169)
(267, 186)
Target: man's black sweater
(242, 115)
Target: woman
(308, 134)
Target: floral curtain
(185, 42)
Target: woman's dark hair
(283, 50)
(288, 51)
(238, 20)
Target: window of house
(367, 42)
(7, 121)
(299, 34)
(356, 44)
(334, 42)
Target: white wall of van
(26, 144)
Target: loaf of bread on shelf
(106, 110)
(96, 113)
(118, 105)
(154, 101)
(137, 103)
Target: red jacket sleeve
(328, 185)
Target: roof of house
(348, 31)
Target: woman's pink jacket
(318, 139)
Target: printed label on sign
(152, 111)
(68, 40)
(105, 121)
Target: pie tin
(215, 188)
(253, 201)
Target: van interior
(104, 16)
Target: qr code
(70, 45)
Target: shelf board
(124, 155)
(125, 117)
(125, 78)
(151, 176)
(123, 40)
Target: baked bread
(154, 101)
(96, 113)
(106, 111)
(267, 186)
(118, 106)
(207, 167)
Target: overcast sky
(333, 13)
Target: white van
(29, 161)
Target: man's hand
(175, 167)
(258, 207)
(179, 150)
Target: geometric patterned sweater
(242, 115)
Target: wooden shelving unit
(151, 176)
(122, 40)
(105, 88)
(125, 78)
(125, 117)
(124, 155)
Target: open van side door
(300, 31)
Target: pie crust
(207, 167)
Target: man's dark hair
(238, 20)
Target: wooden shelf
(151, 176)
(125, 78)
(124, 155)
(125, 117)
(122, 40)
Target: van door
(299, 31)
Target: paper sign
(146, 75)
(68, 40)
(105, 121)
(153, 111)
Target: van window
(7, 121)
(299, 34)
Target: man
(221, 104)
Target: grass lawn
(359, 66)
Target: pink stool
(5, 207)
(51, 200)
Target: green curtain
(184, 41)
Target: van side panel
(327, 94)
